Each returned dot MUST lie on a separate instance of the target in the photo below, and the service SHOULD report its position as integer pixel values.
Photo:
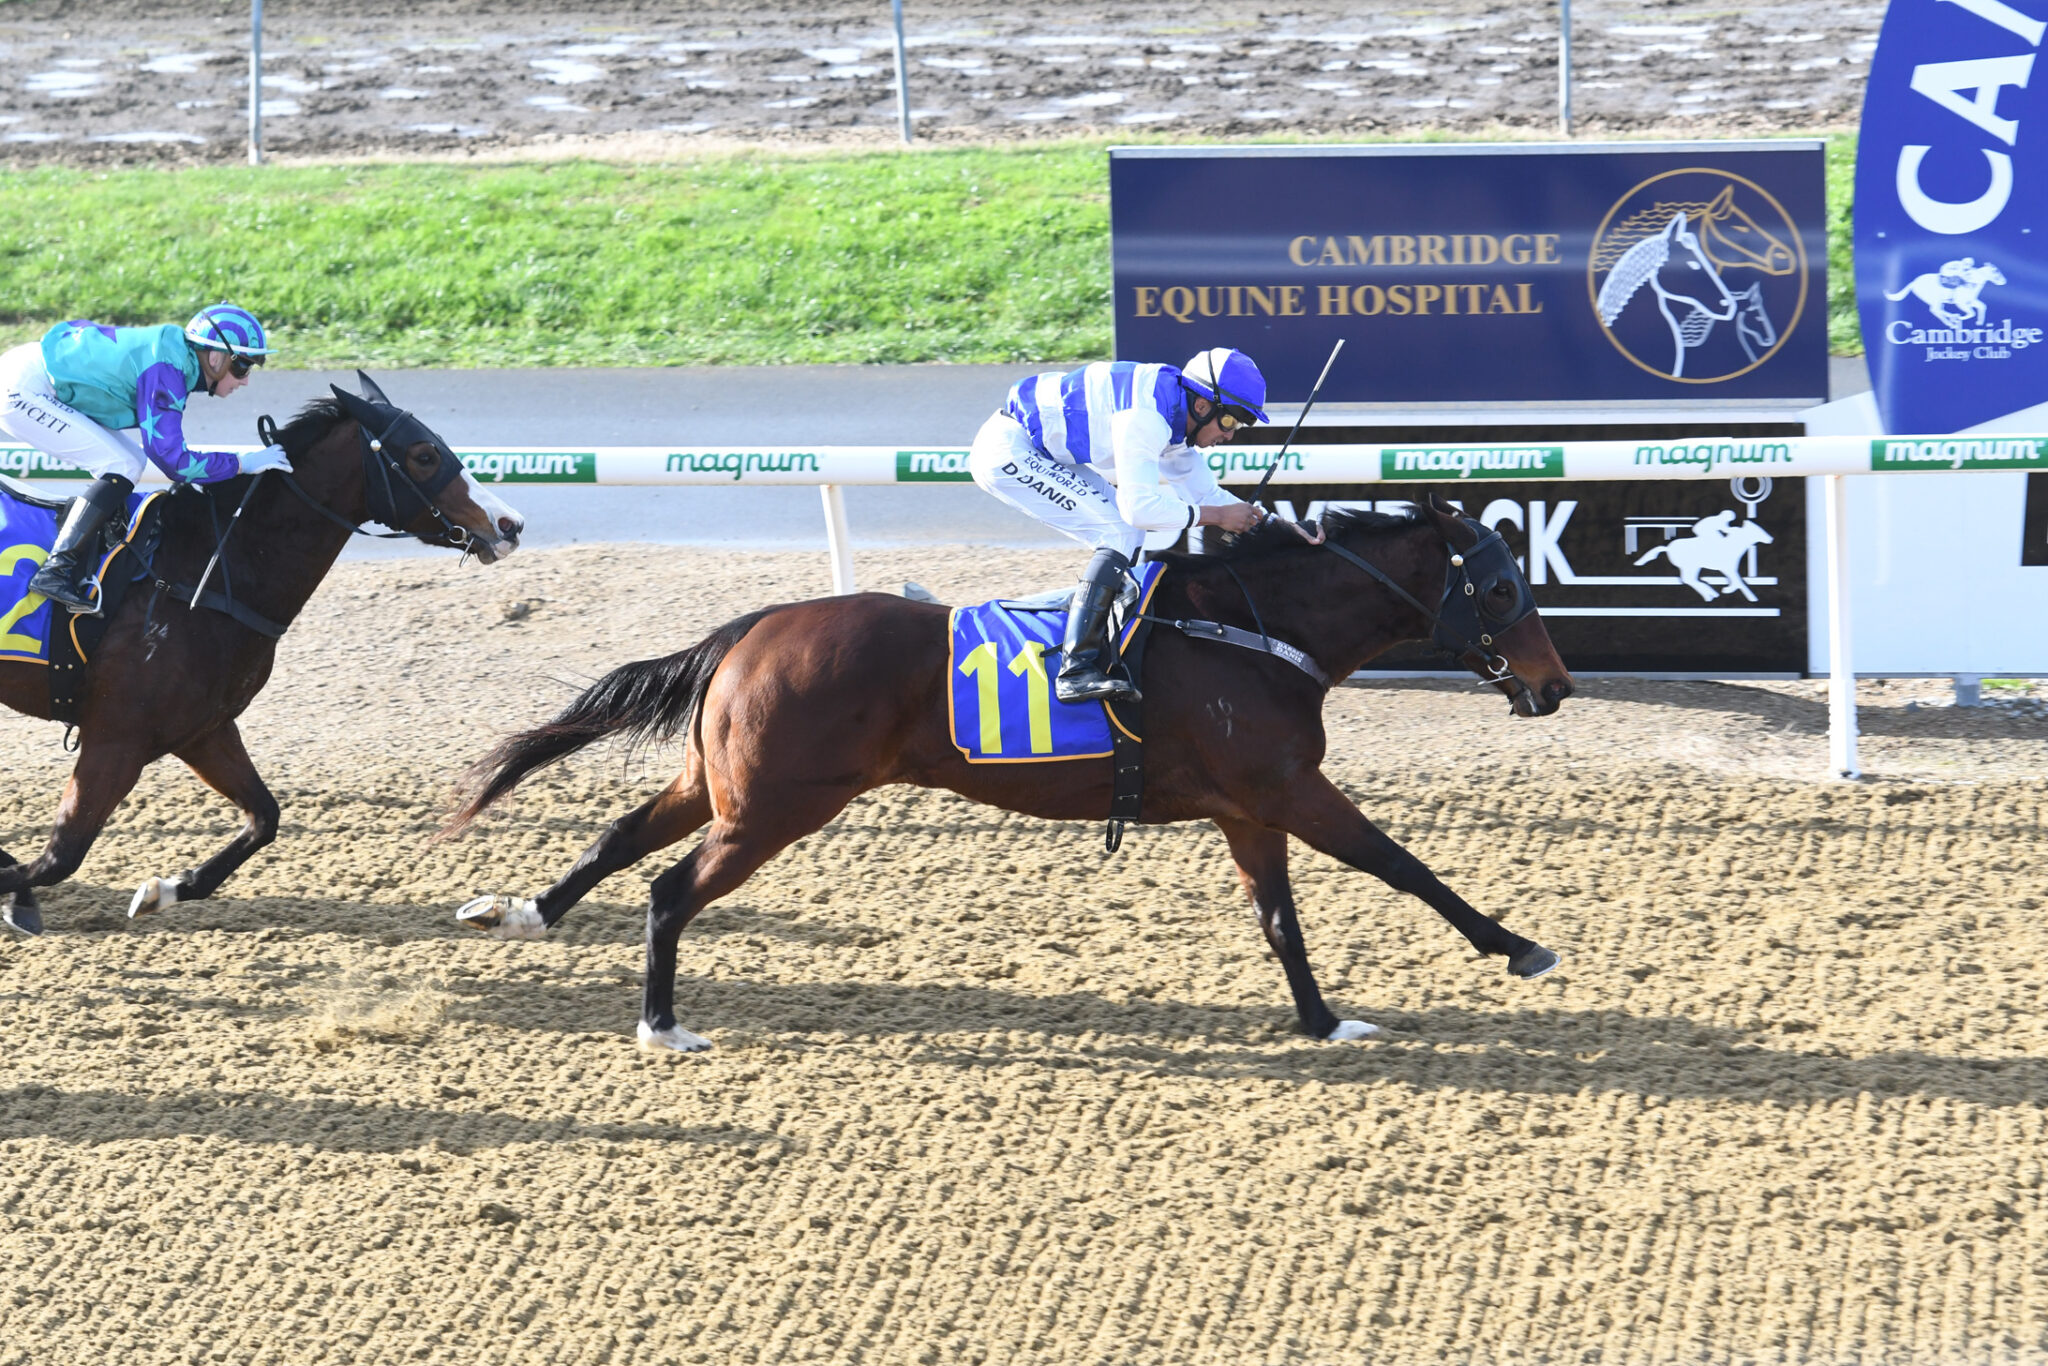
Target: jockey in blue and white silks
(1107, 453)
(76, 394)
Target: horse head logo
(1691, 272)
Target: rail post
(1841, 654)
(837, 542)
(255, 82)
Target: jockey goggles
(239, 365)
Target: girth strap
(243, 615)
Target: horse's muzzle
(1539, 701)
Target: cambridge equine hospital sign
(1692, 271)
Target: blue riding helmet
(228, 327)
(1222, 375)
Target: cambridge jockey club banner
(1703, 577)
(1952, 213)
(1643, 271)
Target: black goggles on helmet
(239, 365)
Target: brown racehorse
(793, 711)
(168, 679)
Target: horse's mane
(310, 425)
(1275, 537)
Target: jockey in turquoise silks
(77, 394)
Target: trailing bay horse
(792, 712)
(171, 679)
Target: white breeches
(31, 413)
(1071, 499)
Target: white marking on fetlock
(674, 1039)
(1347, 1030)
(504, 917)
(159, 893)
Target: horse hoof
(1347, 1030)
(23, 917)
(159, 893)
(503, 917)
(674, 1039)
(1533, 964)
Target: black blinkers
(396, 498)
(1469, 618)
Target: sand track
(980, 1095)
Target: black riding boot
(63, 577)
(1084, 670)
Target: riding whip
(266, 432)
(1260, 491)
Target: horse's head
(1736, 239)
(1489, 620)
(413, 482)
(1688, 271)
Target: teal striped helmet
(227, 327)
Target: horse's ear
(1449, 522)
(1675, 226)
(357, 408)
(371, 391)
(1721, 202)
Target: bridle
(380, 425)
(1465, 611)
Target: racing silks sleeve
(1138, 437)
(160, 413)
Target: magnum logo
(1697, 275)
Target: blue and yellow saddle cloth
(1004, 658)
(27, 531)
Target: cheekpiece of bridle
(1465, 623)
(395, 498)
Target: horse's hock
(979, 1094)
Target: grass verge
(969, 254)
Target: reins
(375, 458)
(1442, 633)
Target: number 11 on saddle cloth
(1004, 656)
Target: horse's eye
(425, 459)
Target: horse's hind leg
(676, 812)
(222, 763)
(731, 851)
(19, 909)
(1323, 818)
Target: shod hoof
(674, 1039)
(1533, 964)
(503, 917)
(23, 916)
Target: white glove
(269, 458)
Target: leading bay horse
(171, 679)
(792, 712)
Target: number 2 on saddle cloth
(1004, 656)
(28, 528)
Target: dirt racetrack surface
(126, 80)
(980, 1094)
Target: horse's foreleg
(1323, 818)
(731, 851)
(103, 775)
(1261, 856)
(221, 762)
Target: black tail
(650, 699)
